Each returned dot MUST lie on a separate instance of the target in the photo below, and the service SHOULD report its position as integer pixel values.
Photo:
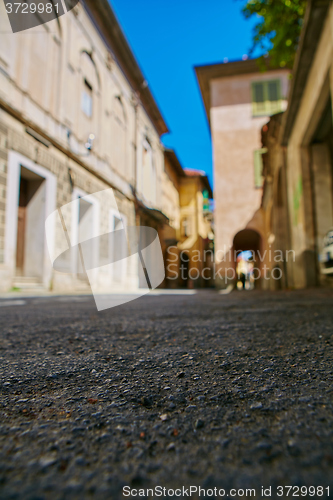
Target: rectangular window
(148, 173)
(118, 251)
(258, 167)
(186, 227)
(266, 98)
(87, 99)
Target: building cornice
(314, 20)
(191, 174)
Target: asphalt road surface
(228, 392)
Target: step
(27, 279)
(28, 287)
(27, 283)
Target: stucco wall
(300, 171)
(42, 74)
(57, 164)
(235, 137)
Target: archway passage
(247, 239)
(246, 253)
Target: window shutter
(259, 92)
(273, 94)
(258, 178)
(258, 98)
(87, 99)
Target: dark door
(21, 225)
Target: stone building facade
(274, 205)
(238, 99)
(76, 117)
(298, 189)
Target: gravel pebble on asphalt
(227, 391)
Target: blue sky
(168, 38)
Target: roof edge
(174, 160)
(203, 178)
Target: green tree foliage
(278, 29)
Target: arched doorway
(247, 258)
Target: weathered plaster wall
(236, 135)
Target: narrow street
(227, 391)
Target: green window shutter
(258, 98)
(266, 97)
(259, 92)
(258, 178)
(274, 96)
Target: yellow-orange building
(189, 249)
